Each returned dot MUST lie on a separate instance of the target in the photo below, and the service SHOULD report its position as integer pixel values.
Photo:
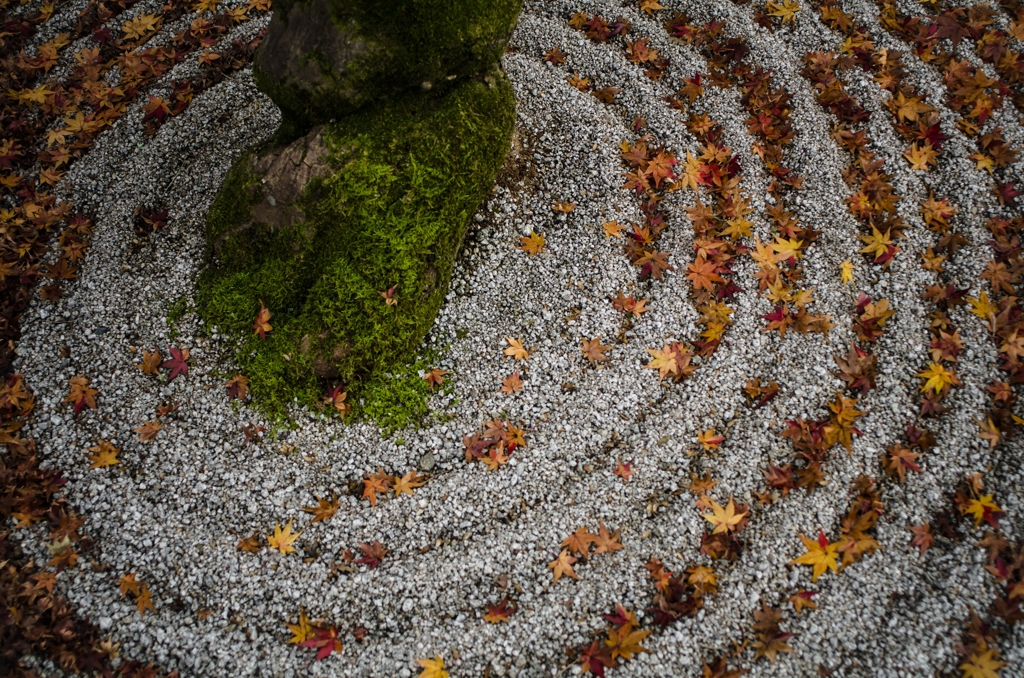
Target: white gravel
(174, 512)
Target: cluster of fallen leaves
(856, 538)
(1003, 560)
(873, 200)
(579, 542)
(36, 620)
(779, 272)
(1002, 314)
(621, 642)
(969, 91)
(976, 24)
(916, 121)
(494, 444)
(383, 484)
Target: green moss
(405, 179)
(175, 313)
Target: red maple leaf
(373, 554)
(177, 363)
(325, 640)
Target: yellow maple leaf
(663, 361)
(725, 518)
(846, 272)
(137, 28)
(106, 455)
(301, 631)
(786, 248)
(981, 306)
(877, 244)
(650, 5)
(532, 244)
(516, 350)
(983, 663)
(613, 229)
(937, 378)
(979, 506)
(432, 668)
(282, 540)
(785, 10)
(821, 555)
(921, 156)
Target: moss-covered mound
(320, 230)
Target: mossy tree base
(317, 230)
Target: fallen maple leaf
(650, 5)
(129, 584)
(140, 26)
(564, 207)
(982, 663)
(376, 483)
(177, 363)
(106, 455)
(802, 599)
(516, 350)
(625, 641)
(785, 10)
(262, 324)
(562, 565)
(922, 538)
(606, 542)
(302, 630)
(555, 56)
(144, 601)
(237, 386)
(724, 519)
(623, 471)
(938, 378)
(432, 668)
(81, 395)
(629, 305)
(282, 540)
(594, 351)
(163, 409)
(579, 542)
(921, 156)
(512, 383)
(500, 612)
(821, 555)
(532, 244)
(983, 508)
(147, 432)
(324, 510)
(373, 554)
(435, 377)
(407, 483)
(770, 638)
(250, 544)
(846, 272)
(389, 296)
(613, 229)
(324, 640)
(150, 362)
(709, 441)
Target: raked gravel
(174, 512)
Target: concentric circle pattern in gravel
(175, 510)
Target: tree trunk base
(348, 235)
